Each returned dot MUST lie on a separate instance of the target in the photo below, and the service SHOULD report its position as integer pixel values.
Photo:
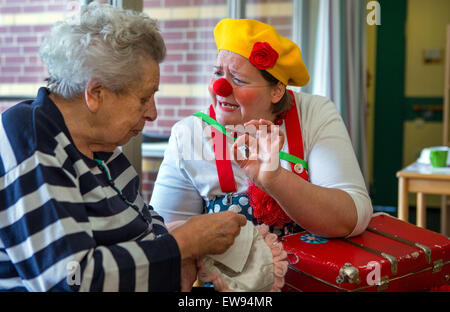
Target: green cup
(438, 158)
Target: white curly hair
(107, 43)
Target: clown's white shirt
(187, 179)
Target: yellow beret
(261, 44)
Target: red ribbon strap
(223, 162)
(294, 135)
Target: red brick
(34, 69)
(10, 50)
(14, 59)
(176, 24)
(147, 187)
(7, 79)
(33, 9)
(171, 79)
(190, 68)
(29, 79)
(145, 176)
(185, 112)
(176, 3)
(10, 10)
(10, 69)
(201, 101)
(206, 23)
(56, 8)
(279, 21)
(182, 46)
(19, 29)
(168, 112)
(168, 123)
(31, 49)
(26, 39)
(192, 101)
(174, 57)
(168, 101)
(152, 3)
(42, 28)
(34, 60)
(167, 69)
(198, 46)
(191, 35)
(209, 2)
(172, 35)
(201, 56)
(198, 79)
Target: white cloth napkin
(236, 256)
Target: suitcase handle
(296, 258)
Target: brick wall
(187, 28)
(192, 52)
(150, 167)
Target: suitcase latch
(437, 265)
(348, 274)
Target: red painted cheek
(247, 97)
(211, 89)
(210, 86)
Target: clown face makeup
(251, 96)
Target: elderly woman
(314, 181)
(71, 215)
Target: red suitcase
(391, 255)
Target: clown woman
(292, 166)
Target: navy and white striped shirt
(66, 222)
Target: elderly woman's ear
(278, 91)
(94, 94)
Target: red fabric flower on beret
(263, 56)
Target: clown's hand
(258, 154)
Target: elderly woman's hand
(188, 274)
(262, 163)
(208, 234)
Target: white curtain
(331, 35)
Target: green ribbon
(214, 123)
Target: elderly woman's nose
(151, 112)
(222, 87)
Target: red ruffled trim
(265, 208)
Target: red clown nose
(222, 87)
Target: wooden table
(423, 179)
